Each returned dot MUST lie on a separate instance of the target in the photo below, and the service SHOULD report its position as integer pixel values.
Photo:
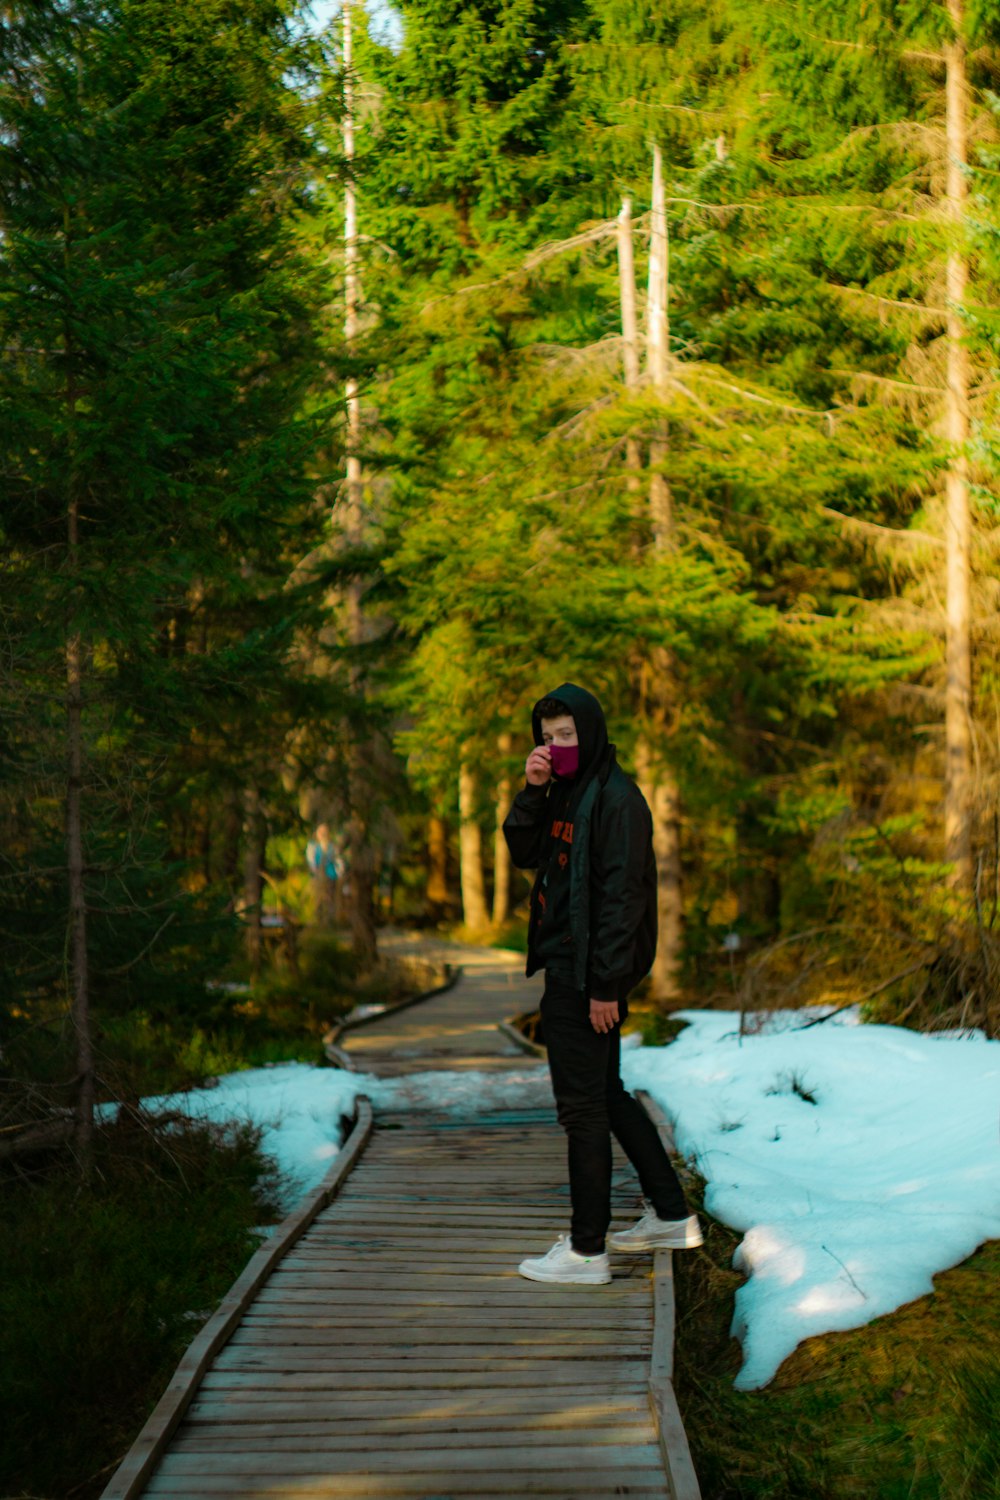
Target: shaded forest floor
(104, 1289)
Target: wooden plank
(348, 1243)
(388, 1277)
(390, 1461)
(576, 1373)
(661, 1364)
(317, 1437)
(678, 1465)
(524, 1342)
(504, 1170)
(476, 1394)
(516, 1293)
(681, 1476)
(415, 1363)
(375, 1208)
(539, 1319)
(452, 1485)
(367, 1336)
(417, 1252)
(410, 1416)
(127, 1481)
(395, 1261)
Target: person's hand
(603, 1014)
(538, 767)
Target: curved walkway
(393, 1350)
(459, 1029)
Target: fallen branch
(903, 974)
(37, 1138)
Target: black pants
(590, 1103)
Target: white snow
(850, 1204)
(298, 1108)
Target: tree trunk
(360, 901)
(655, 690)
(79, 970)
(437, 894)
(470, 844)
(75, 658)
(254, 847)
(352, 289)
(658, 352)
(630, 332)
(660, 790)
(501, 854)
(958, 689)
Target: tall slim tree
(958, 689)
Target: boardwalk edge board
(681, 1476)
(513, 1032)
(138, 1464)
(341, 1058)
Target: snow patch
(849, 1199)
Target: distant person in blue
(585, 827)
(325, 868)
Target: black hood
(591, 729)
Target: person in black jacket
(585, 827)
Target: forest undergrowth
(103, 1290)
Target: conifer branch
(888, 534)
(910, 53)
(906, 385)
(925, 309)
(748, 395)
(536, 258)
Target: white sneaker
(563, 1263)
(652, 1233)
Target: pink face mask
(565, 759)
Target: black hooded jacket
(593, 914)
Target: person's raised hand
(538, 767)
(603, 1014)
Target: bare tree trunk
(360, 855)
(630, 331)
(958, 702)
(437, 893)
(352, 292)
(470, 844)
(75, 658)
(660, 789)
(655, 677)
(361, 901)
(501, 854)
(79, 970)
(658, 352)
(254, 847)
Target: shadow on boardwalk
(393, 1350)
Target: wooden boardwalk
(457, 1030)
(393, 1350)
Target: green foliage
(807, 340)
(158, 309)
(103, 1291)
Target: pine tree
(157, 316)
